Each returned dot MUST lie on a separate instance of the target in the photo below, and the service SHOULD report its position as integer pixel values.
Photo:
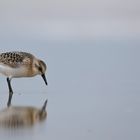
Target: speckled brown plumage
(15, 59)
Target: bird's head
(40, 68)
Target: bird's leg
(10, 92)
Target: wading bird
(20, 64)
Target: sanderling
(20, 116)
(20, 64)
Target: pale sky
(70, 19)
(70, 8)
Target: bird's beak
(44, 78)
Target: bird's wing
(16, 59)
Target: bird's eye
(38, 67)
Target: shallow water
(93, 92)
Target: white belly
(13, 72)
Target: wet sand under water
(82, 117)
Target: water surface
(93, 92)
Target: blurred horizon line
(59, 30)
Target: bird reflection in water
(18, 116)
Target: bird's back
(15, 59)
